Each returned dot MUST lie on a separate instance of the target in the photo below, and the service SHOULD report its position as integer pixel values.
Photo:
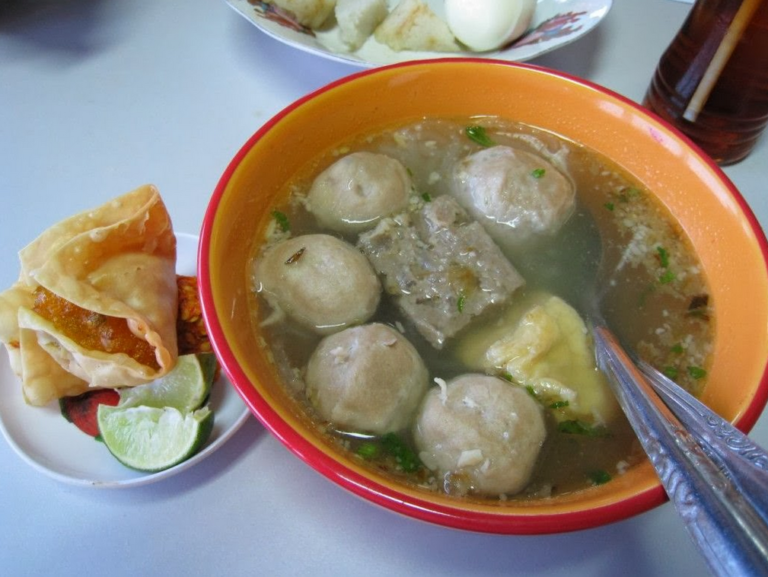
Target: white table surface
(98, 97)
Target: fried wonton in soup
(96, 301)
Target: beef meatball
(514, 194)
(366, 379)
(482, 434)
(319, 281)
(357, 190)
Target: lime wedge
(153, 439)
(185, 387)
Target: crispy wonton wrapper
(117, 260)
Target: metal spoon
(714, 476)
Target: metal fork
(714, 475)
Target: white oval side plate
(48, 442)
(555, 24)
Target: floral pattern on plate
(556, 23)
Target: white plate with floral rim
(43, 438)
(555, 24)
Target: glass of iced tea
(712, 81)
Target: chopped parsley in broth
(618, 245)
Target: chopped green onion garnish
(670, 372)
(697, 372)
(404, 456)
(538, 172)
(508, 377)
(678, 349)
(609, 205)
(460, 302)
(368, 450)
(426, 197)
(558, 404)
(667, 277)
(477, 134)
(663, 256)
(599, 477)
(282, 220)
(581, 428)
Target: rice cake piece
(357, 19)
(310, 13)
(412, 25)
(441, 267)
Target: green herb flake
(368, 450)
(696, 372)
(599, 477)
(479, 135)
(609, 206)
(461, 301)
(282, 220)
(670, 372)
(663, 256)
(580, 428)
(538, 172)
(667, 277)
(558, 404)
(678, 349)
(404, 456)
(508, 377)
(426, 197)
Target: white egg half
(488, 24)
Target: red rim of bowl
(538, 523)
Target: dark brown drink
(730, 110)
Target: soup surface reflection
(584, 231)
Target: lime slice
(185, 387)
(153, 439)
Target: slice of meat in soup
(441, 267)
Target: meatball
(356, 191)
(481, 434)
(366, 379)
(319, 281)
(516, 195)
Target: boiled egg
(488, 24)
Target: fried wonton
(95, 305)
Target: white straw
(719, 60)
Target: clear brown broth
(655, 302)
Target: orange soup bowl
(724, 232)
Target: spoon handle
(731, 536)
(742, 460)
